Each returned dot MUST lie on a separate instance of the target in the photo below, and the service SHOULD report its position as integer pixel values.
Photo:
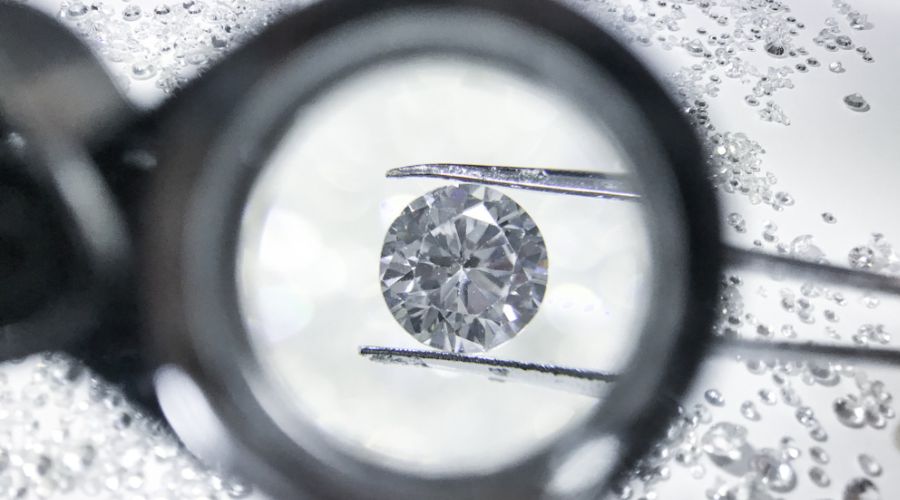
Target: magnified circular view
(337, 256)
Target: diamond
(857, 102)
(463, 268)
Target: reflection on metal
(782, 266)
(577, 381)
(578, 183)
(805, 351)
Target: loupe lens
(334, 256)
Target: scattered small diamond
(768, 397)
(724, 442)
(869, 465)
(861, 257)
(819, 477)
(856, 102)
(819, 455)
(714, 397)
(774, 471)
(749, 411)
(849, 412)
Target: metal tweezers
(594, 383)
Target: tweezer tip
(406, 171)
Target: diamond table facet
(463, 268)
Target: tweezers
(618, 187)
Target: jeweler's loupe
(431, 250)
(392, 249)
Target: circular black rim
(207, 172)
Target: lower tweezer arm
(584, 382)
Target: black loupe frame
(65, 272)
(214, 138)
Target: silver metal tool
(585, 382)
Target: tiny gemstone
(805, 416)
(775, 49)
(844, 42)
(869, 465)
(774, 471)
(463, 268)
(862, 257)
(724, 442)
(714, 397)
(819, 455)
(849, 412)
(857, 102)
(802, 247)
(818, 434)
(749, 411)
(737, 221)
(768, 397)
(131, 13)
(819, 477)
(77, 9)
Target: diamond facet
(463, 268)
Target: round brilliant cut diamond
(463, 268)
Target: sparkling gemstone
(819, 477)
(856, 102)
(849, 412)
(844, 41)
(749, 411)
(869, 465)
(774, 471)
(776, 49)
(768, 397)
(818, 434)
(714, 397)
(724, 442)
(805, 416)
(824, 374)
(862, 257)
(132, 13)
(463, 268)
(819, 455)
(803, 247)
